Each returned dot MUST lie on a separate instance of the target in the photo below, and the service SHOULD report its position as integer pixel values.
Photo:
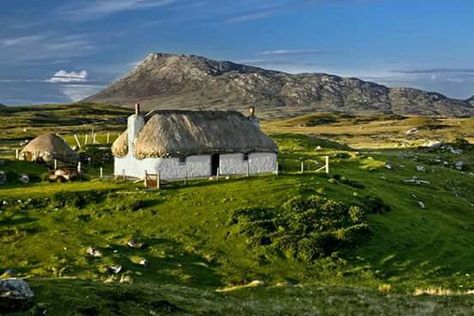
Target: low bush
(98, 155)
(374, 205)
(77, 199)
(304, 228)
(349, 182)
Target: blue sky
(61, 51)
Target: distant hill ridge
(195, 82)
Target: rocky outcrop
(15, 295)
(193, 82)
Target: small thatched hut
(48, 147)
(192, 144)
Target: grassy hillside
(376, 131)
(19, 123)
(192, 249)
(198, 261)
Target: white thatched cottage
(193, 144)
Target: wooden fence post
(145, 182)
(217, 174)
(302, 167)
(327, 164)
(101, 173)
(248, 168)
(55, 164)
(108, 137)
(77, 141)
(158, 184)
(85, 140)
(276, 169)
(17, 154)
(79, 167)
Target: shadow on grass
(17, 221)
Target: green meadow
(417, 259)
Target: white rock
(420, 169)
(459, 165)
(115, 269)
(24, 178)
(432, 144)
(94, 252)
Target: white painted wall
(231, 164)
(195, 166)
(169, 168)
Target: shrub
(374, 205)
(306, 229)
(98, 155)
(127, 205)
(77, 199)
(349, 182)
(343, 155)
(462, 143)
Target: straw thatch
(48, 147)
(182, 133)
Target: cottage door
(214, 164)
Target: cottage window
(182, 160)
(246, 157)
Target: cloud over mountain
(63, 76)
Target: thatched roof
(48, 147)
(170, 133)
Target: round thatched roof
(48, 147)
(170, 133)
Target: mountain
(194, 82)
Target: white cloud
(291, 52)
(21, 40)
(63, 76)
(94, 9)
(249, 16)
(43, 47)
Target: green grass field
(197, 263)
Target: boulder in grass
(135, 244)
(24, 178)
(420, 168)
(459, 165)
(93, 252)
(15, 295)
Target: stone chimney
(255, 120)
(251, 111)
(137, 109)
(135, 124)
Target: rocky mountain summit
(194, 82)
